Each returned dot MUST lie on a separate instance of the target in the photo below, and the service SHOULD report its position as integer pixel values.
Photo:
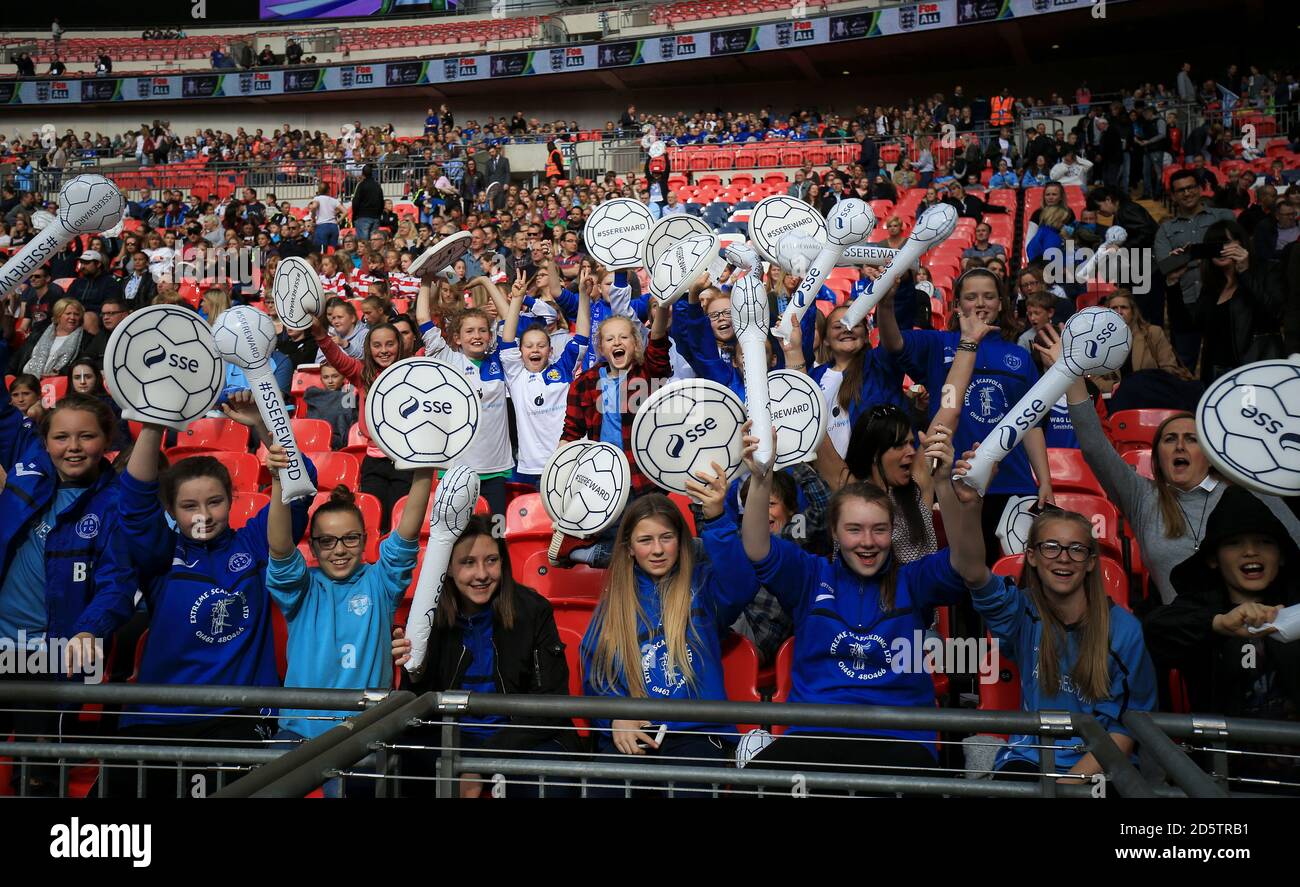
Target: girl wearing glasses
(343, 602)
(1076, 650)
(204, 583)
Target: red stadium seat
(245, 470)
(334, 469)
(525, 516)
(740, 672)
(683, 504)
(53, 389)
(211, 435)
(1135, 429)
(577, 583)
(358, 443)
(1140, 459)
(244, 506)
(1070, 472)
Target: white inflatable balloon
(1248, 424)
(849, 224)
(934, 226)
(449, 514)
(1094, 341)
(246, 337)
(1115, 238)
(88, 204)
(749, 312)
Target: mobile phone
(1198, 251)
(658, 730)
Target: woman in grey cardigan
(1168, 514)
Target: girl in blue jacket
(205, 586)
(65, 581)
(859, 617)
(655, 632)
(1076, 650)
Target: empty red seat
(1129, 429)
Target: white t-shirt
(540, 400)
(326, 209)
(841, 426)
(489, 452)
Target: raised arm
(143, 464)
(755, 533)
(960, 504)
(417, 504)
(347, 365)
(279, 520)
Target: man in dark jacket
(296, 243)
(497, 170)
(870, 157)
(367, 203)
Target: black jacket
(1254, 310)
(368, 201)
(530, 659)
(1141, 227)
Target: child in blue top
(64, 575)
(204, 584)
(340, 613)
(859, 616)
(1076, 650)
(655, 633)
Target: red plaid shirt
(582, 417)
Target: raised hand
(710, 490)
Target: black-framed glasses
(328, 543)
(1051, 550)
(718, 315)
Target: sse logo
(408, 409)
(677, 442)
(158, 354)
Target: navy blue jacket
(89, 584)
(209, 610)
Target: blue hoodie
(1011, 616)
(845, 646)
(88, 584)
(209, 613)
(722, 584)
(693, 336)
(339, 628)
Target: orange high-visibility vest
(1002, 110)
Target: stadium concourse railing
(391, 729)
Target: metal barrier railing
(96, 755)
(585, 772)
(387, 744)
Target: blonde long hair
(616, 658)
(1091, 672)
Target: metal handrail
(189, 695)
(1185, 774)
